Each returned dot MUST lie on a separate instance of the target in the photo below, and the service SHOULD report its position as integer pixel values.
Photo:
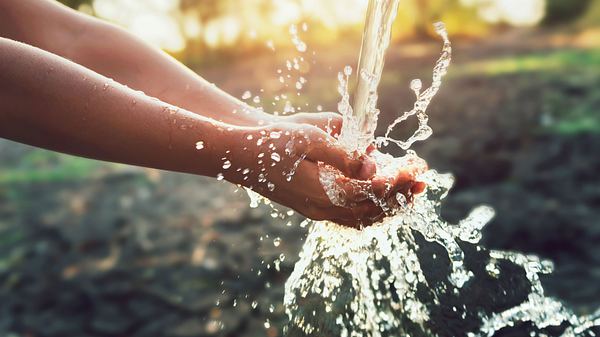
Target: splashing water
(417, 275)
(413, 274)
(423, 98)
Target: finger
(368, 212)
(329, 122)
(368, 169)
(322, 148)
(355, 191)
(362, 215)
(307, 185)
(418, 187)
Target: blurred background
(96, 249)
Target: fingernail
(368, 168)
(418, 187)
(371, 148)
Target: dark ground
(94, 249)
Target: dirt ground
(96, 249)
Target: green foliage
(542, 62)
(563, 11)
(569, 79)
(41, 166)
(592, 16)
(572, 104)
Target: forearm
(134, 63)
(114, 53)
(50, 102)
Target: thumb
(321, 147)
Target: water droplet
(271, 186)
(199, 145)
(247, 94)
(277, 241)
(301, 46)
(347, 70)
(275, 156)
(271, 45)
(220, 176)
(226, 164)
(416, 85)
(288, 108)
(275, 135)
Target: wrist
(234, 154)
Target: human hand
(391, 188)
(281, 162)
(395, 176)
(284, 162)
(329, 122)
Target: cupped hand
(383, 187)
(281, 162)
(389, 190)
(284, 162)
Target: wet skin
(155, 111)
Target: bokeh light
(171, 24)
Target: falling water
(360, 119)
(414, 274)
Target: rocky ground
(93, 249)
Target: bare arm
(114, 53)
(50, 102)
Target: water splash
(423, 98)
(414, 274)
(418, 275)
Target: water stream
(360, 119)
(414, 274)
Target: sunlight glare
(223, 31)
(148, 20)
(514, 12)
(192, 27)
(286, 12)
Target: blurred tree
(592, 16)
(562, 11)
(416, 18)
